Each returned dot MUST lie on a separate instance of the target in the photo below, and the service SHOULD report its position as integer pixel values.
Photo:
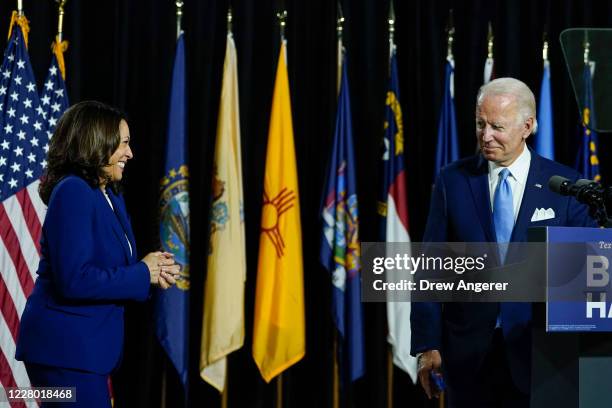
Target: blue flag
(54, 97)
(544, 141)
(447, 149)
(340, 247)
(587, 162)
(172, 305)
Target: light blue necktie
(503, 217)
(503, 213)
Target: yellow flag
(223, 321)
(279, 329)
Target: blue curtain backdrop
(121, 52)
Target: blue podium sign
(579, 290)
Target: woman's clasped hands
(163, 269)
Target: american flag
(54, 98)
(23, 147)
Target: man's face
(500, 129)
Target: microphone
(561, 185)
(586, 191)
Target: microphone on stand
(588, 192)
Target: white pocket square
(541, 214)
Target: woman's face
(119, 159)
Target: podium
(570, 368)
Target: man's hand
(429, 361)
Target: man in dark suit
(484, 349)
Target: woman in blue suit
(71, 332)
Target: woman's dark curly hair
(86, 137)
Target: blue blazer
(74, 316)
(460, 211)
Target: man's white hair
(525, 99)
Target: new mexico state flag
(279, 329)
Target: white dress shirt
(519, 170)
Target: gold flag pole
(390, 378)
(60, 20)
(282, 19)
(490, 39)
(230, 18)
(391, 22)
(164, 384)
(450, 31)
(545, 47)
(336, 377)
(179, 17)
(279, 391)
(225, 392)
(20, 8)
(59, 46)
(339, 33)
(587, 48)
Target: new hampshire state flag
(172, 305)
(340, 250)
(279, 332)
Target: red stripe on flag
(7, 234)
(398, 192)
(7, 307)
(30, 216)
(6, 377)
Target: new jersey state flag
(223, 321)
(279, 332)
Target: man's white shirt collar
(518, 180)
(519, 169)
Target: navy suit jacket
(74, 316)
(460, 211)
